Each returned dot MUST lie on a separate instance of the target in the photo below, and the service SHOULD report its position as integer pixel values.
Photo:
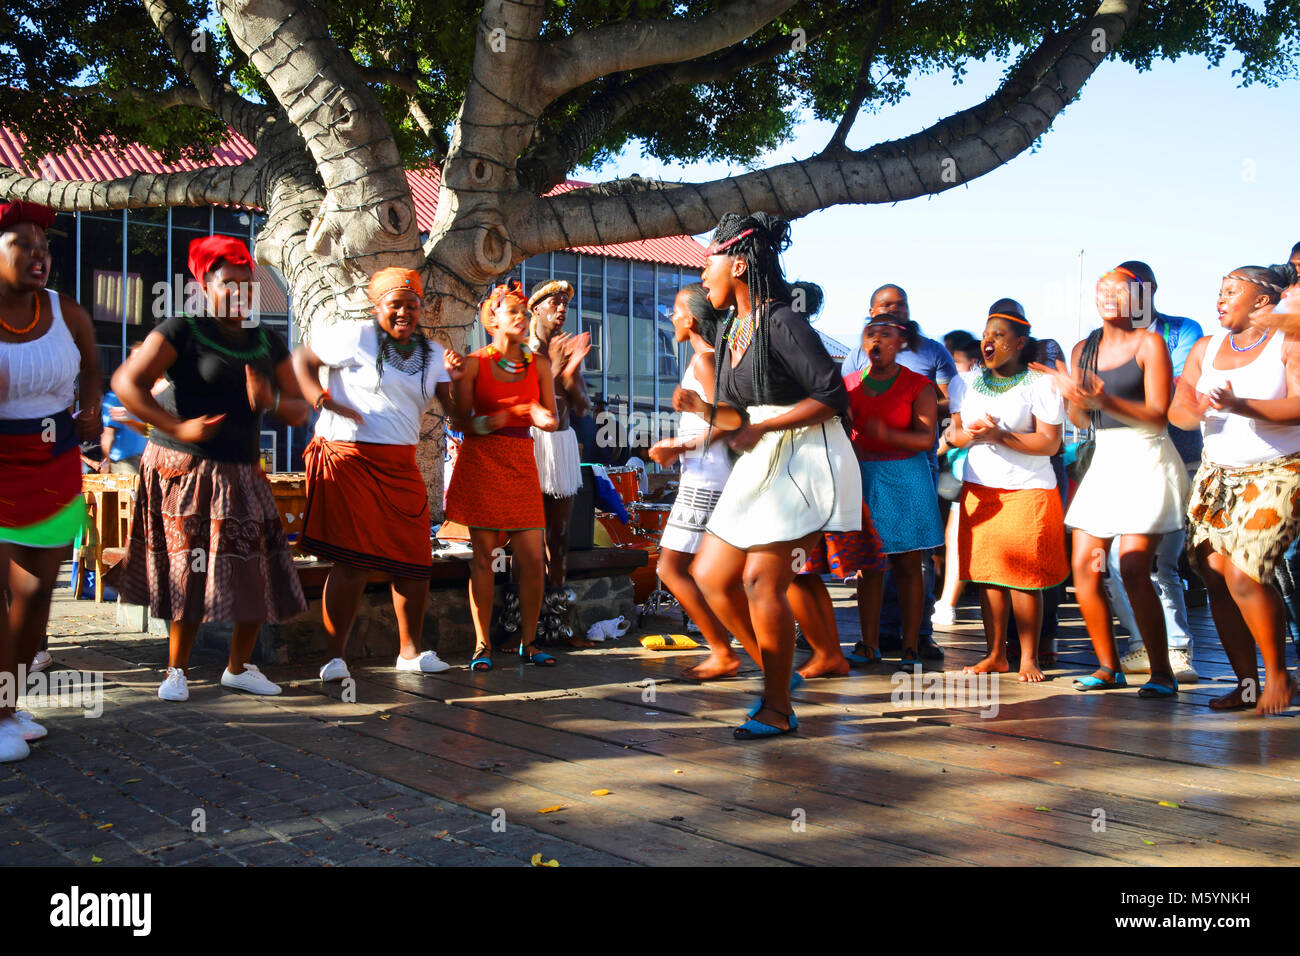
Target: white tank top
(39, 377)
(708, 468)
(1237, 441)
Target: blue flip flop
(538, 658)
(755, 729)
(795, 680)
(1096, 683)
(861, 660)
(474, 664)
(1151, 690)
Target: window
(617, 300)
(666, 364)
(564, 265)
(643, 333)
(591, 301)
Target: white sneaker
(41, 661)
(174, 685)
(945, 615)
(1184, 673)
(1136, 662)
(337, 669)
(12, 745)
(251, 680)
(31, 730)
(428, 662)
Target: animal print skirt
(1250, 515)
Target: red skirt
(495, 485)
(40, 469)
(367, 506)
(1012, 539)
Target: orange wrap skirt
(1011, 538)
(495, 485)
(367, 506)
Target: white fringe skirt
(558, 465)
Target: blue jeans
(1169, 587)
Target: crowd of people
(792, 467)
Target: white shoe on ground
(1136, 662)
(337, 669)
(12, 745)
(41, 661)
(428, 662)
(945, 615)
(174, 685)
(251, 680)
(1184, 673)
(31, 730)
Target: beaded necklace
(1231, 341)
(261, 350)
(12, 331)
(988, 385)
(508, 366)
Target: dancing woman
(705, 467)
(495, 491)
(1135, 486)
(47, 363)
(367, 505)
(779, 394)
(206, 539)
(1011, 535)
(1241, 385)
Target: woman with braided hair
(495, 492)
(780, 396)
(1241, 386)
(367, 505)
(1135, 487)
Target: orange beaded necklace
(12, 331)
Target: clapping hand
(260, 394)
(686, 400)
(984, 431)
(454, 363)
(1224, 399)
(745, 437)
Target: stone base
(448, 627)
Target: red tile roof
(112, 163)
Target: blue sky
(1178, 166)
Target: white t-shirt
(996, 466)
(392, 412)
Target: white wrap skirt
(1136, 484)
(791, 484)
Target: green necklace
(989, 385)
(261, 350)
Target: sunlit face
(1001, 343)
(1237, 299)
(24, 257)
(721, 276)
(890, 301)
(683, 321)
(962, 361)
(1114, 297)
(229, 291)
(399, 314)
(510, 319)
(882, 343)
(552, 311)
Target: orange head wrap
(387, 280)
(512, 290)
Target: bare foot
(713, 667)
(993, 664)
(824, 667)
(1029, 672)
(1235, 699)
(1274, 701)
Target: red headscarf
(205, 252)
(12, 213)
(513, 290)
(386, 280)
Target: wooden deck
(1056, 777)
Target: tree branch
(249, 119)
(548, 163)
(410, 85)
(620, 47)
(227, 185)
(167, 99)
(884, 12)
(954, 154)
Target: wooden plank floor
(1053, 777)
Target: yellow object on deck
(668, 642)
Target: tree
(506, 97)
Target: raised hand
(578, 347)
(195, 430)
(454, 363)
(1224, 399)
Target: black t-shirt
(798, 367)
(207, 381)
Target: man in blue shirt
(1180, 334)
(122, 439)
(932, 360)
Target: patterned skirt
(495, 484)
(1250, 515)
(845, 553)
(207, 544)
(1011, 538)
(904, 503)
